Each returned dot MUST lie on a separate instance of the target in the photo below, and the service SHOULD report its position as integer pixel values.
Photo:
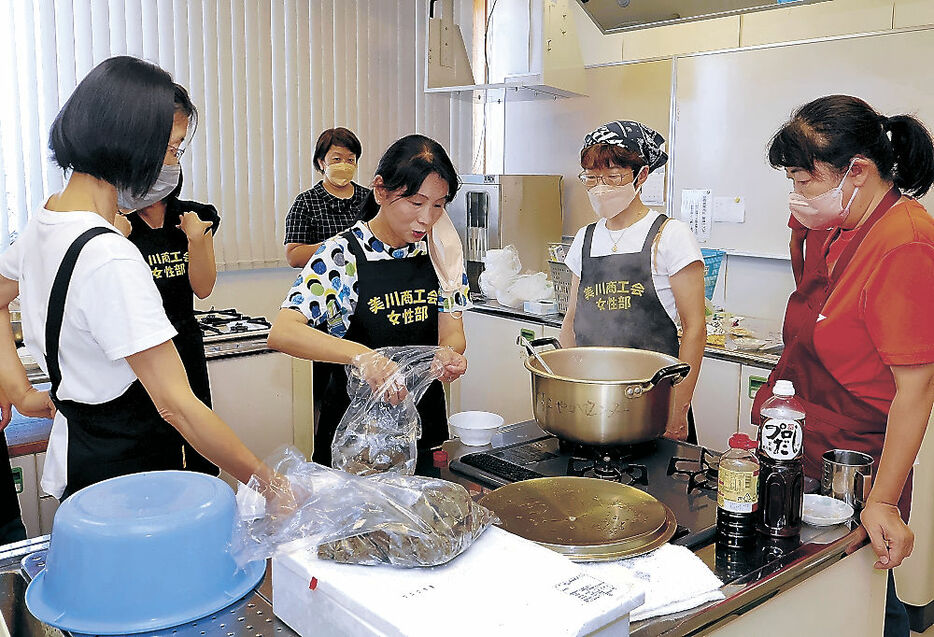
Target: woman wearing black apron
(635, 271)
(375, 285)
(176, 239)
(92, 316)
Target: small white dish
(475, 428)
(822, 510)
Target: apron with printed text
(397, 305)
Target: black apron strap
(588, 241)
(56, 311)
(653, 233)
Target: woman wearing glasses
(635, 271)
(92, 316)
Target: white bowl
(822, 510)
(475, 428)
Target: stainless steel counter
(250, 616)
(493, 308)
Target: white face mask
(824, 211)
(165, 184)
(609, 201)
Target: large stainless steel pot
(602, 395)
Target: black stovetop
(676, 473)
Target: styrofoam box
(502, 585)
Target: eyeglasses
(177, 151)
(609, 180)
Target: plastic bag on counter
(501, 280)
(381, 427)
(405, 521)
(529, 287)
(500, 270)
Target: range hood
(614, 16)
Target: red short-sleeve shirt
(881, 312)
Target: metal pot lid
(586, 519)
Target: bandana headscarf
(634, 136)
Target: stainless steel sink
(13, 613)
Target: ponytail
(913, 147)
(836, 128)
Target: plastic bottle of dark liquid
(738, 493)
(781, 471)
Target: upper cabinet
(524, 50)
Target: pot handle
(530, 345)
(679, 371)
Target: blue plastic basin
(141, 552)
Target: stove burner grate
(699, 473)
(608, 467)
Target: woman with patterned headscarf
(636, 272)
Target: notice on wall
(697, 211)
(729, 209)
(653, 190)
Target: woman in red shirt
(859, 338)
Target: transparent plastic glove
(379, 431)
(382, 375)
(449, 365)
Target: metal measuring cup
(847, 475)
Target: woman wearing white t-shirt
(635, 271)
(92, 316)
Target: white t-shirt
(677, 248)
(112, 310)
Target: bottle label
(738, 491)
(781, 439)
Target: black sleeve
(205, 212)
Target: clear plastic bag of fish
(381, 427)
(400, 520)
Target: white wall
(252, 292)
(630, 76)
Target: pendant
(614, 248)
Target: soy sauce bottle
(738, 493)
(781, 460)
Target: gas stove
(681, 475)
(225, 325)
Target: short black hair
(335, 137)
(836, 128)
(117, 122)
(406, 164)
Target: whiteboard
(729, 105)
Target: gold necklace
(614, 243)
